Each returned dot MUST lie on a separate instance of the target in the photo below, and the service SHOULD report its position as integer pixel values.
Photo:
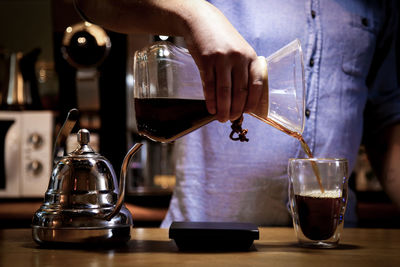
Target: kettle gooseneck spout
(122, 180)
(84, 136)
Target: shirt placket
(312, 58)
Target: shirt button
(364, 22)
(308, 112)
(311, 62)
(313, 13)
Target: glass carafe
(169, 99)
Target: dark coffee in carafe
(166, 119)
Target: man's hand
(232, 74)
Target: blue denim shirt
(349, 60)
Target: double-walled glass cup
(318, 212)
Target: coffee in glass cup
(318, 215)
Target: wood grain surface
(152, 247)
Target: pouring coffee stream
(169, 99)
(304, 146)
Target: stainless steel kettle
(18, 83)
(83, 203)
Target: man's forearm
(391, 169)
(226, 62)
(385, 158)
(169, 17)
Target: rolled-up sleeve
(383, 105)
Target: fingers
(257, 99)
(239, 90)
(234, 87)
(218, 92)
(208, 78)
(223, 90)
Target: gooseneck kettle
(83, 203)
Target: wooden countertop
(152, 247)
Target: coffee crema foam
(336, 193)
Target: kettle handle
(122, 180)
(59, 146)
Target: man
(349, 62)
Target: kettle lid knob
(83, 137)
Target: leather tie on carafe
(237, 124)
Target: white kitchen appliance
(26, 141)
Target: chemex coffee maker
(83, 203)
(169, 99)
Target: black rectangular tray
(213, 236)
